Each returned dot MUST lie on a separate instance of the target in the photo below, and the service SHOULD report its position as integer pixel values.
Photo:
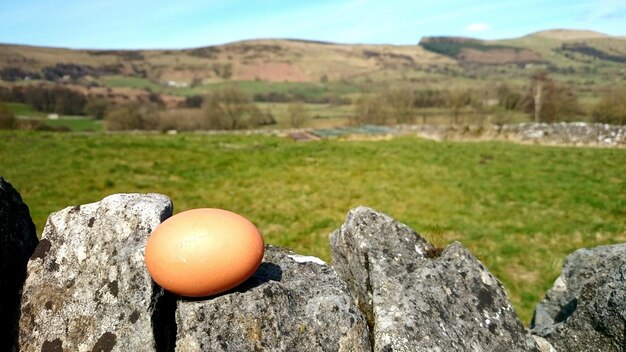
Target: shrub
(180, 120)
(611, 108)
(7, 118)
(224, 71)
(459, 100)
(508, 98)
(298, 115)
(194, 101)
(131, 117)
(429, 98)
(369, 110)
(96, 108)
(548, 102)
(260, 118)
(230, 109)
(155, 98)
(400, 104)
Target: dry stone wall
(87, 289)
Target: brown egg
(203, 252)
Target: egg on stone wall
(203, 252)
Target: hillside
(270, 60)
(276, 60)
(286, 70)
(568, 34)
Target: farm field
(71, 123)
(77, 123)
(519, 208)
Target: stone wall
(87, 289)
(562, 133)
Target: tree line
(53, 99)
(543, 100)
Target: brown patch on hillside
(273, 72)
(125, 95)
(172, 101)
(498, 56)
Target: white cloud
(477, 27)
(606, 9)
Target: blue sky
(140, 24)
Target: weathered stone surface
(585, 310)
(576, 133)
(579, 267)
(87, 287)
(18, 240)
(419, 298)
(543, 344)
(292, 303)
(599, 321)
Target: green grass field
(131, 82)
(20, 109)
(309, 90)
(77, 123)
(519, 208)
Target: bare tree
(401, 103)
(133, 116)
(298, 114)
(229, 109)
(370, 110)
(457, 100)
(549, 102)
(540, 82)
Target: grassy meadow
(519, 208)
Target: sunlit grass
(77, 123)
(519, 208)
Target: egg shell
(203, 252)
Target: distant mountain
(430, 63)
(271, 60)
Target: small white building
(177, 84)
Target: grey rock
(420, 298)
(579, 267)
(599, 321)
(543, 344)
(585, 310)
(18, 240)
(87, 287)
(576, 133)
(291, 303)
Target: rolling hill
(586, 60)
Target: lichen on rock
(87, 287)
(289, 304)
(417, 301)
(585, 310)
